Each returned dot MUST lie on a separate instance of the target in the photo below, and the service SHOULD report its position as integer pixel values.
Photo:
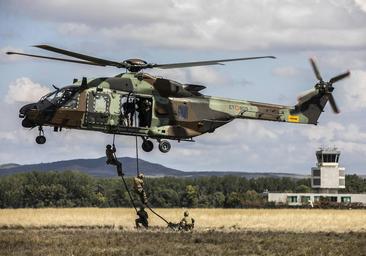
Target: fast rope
(161, 217)
(124, 182)
(137, 170)
(136, 143)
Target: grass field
(289, 220)
(93, 231)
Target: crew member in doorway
(138, 184)
(129, 110)
(142, 218)
(112, 160)
(144, 108)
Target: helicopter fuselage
(172, 110)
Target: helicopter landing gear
(40, 139)
(164, 146)
(147, 145)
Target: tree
(190, 197)
(302, 189)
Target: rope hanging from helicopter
(137, 168)
(124, 181)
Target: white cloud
(352, 92)
(286, 71)
(235, 25)
(348, 137)
(74, 29)
(361, 4)
(25, 90)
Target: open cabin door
(136, 111)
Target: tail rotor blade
(316, 70)
(339, 77)
(333, 104)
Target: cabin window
(183, 111)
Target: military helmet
(109, 146)
(186, 213)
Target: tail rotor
(327, 87)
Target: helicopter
(135, 103)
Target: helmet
(109, 146)
(141, 176)
(186, 213)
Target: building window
(316, 182)
(345, 199)
(332, 198)
(342, 182)
(341, 173)
(292, 199)
(316, 173)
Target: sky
(166, 31)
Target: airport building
(326, 179)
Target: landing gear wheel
(164, 146)
(41, 139)
(147, 146)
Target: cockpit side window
(60, 97)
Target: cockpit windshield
(61, 96)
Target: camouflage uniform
(112, 160)
(129, 112)
(139, 187)
(186, 224)
(142, 218)
(144, 108)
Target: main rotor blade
(53, 58)
(205, 63)
(316, 70)
(339, 77)
(333, 104)
(102, 62)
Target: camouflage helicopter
(138, 104)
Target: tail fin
(311, 105)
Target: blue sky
(173, 31)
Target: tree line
(76, 189)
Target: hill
(97, 167)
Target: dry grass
(54, 242)
(284, 220)
(93, 231)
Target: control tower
(327, 176)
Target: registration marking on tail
(293, 119)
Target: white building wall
(282, 197)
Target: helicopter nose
(24, 113)
(26, 108)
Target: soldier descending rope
(112, 159)
(138, 183)
(142, 218)
(139, 189)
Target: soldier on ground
(142, 218)
(112, 160)
(138, 183)
(186, 224)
